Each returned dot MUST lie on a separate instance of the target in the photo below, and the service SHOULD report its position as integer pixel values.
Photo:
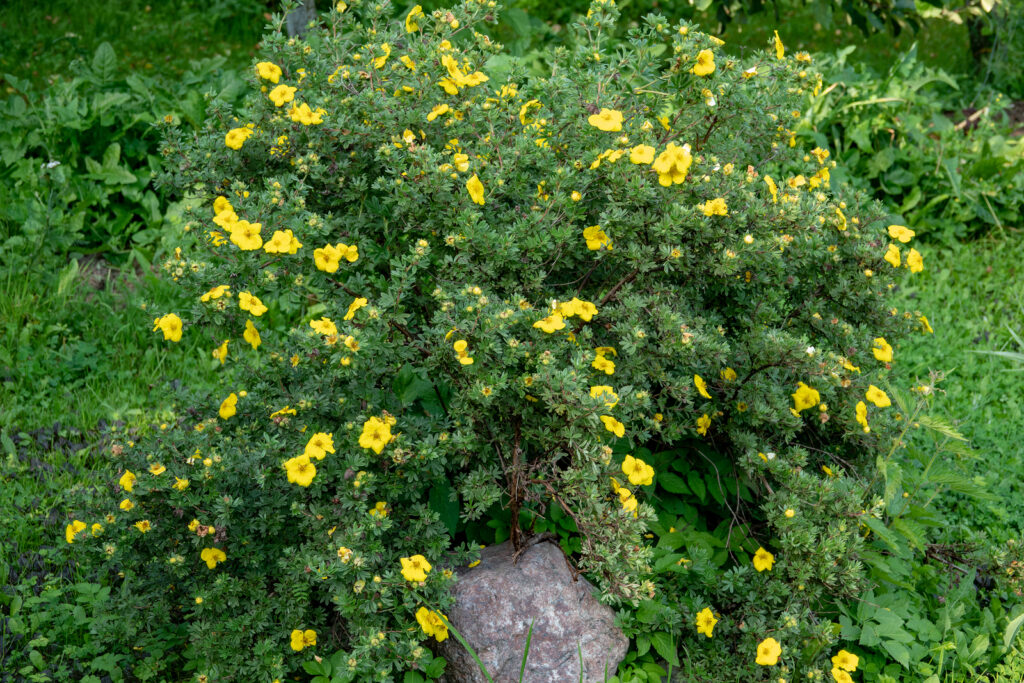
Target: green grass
(941, 43)
(156, 36)
(973, 295)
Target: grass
(973, 295)
(154, 36)
(940, 43)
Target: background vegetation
(927, 120)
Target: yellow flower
(847, 661)
(613, 425)
(300, 470)
(252, 304)
(878, 397)
(170, 325)
(319, 445)
(763, 560)
(356, 304)
(915, 262)
(126, 504)
(584, 309)
(596, 238)
(862, 415)
(892, 255)
(216, 293)
(72, 530)
(804, 397)
(714, 207)
(227, 406)
(439, 110)
(379, 510)
(627, 500)
(156, 469)
(901, 233)
(127, 480)
(282, 94)
(246, 235)
(925, 325)
(379, 62)
(432, 623)
(415, 568)
(882, 350)
(702, 386)
(637, 471)
(236, 137)
(840, 676)
(780, 51)
(461, 353)
(525, 111)
(344, 554)
(673, 164)
(211, 556)
(603, 364)
(407, 62)
(602, 390)
(303, 114)
(96, 529)
(729, 375)
(327, 258)
(705, 65)
(790, 513)
(324, 326)
(475, 189)
(608, 120)
(703, 424)
(642, 154)
(303, 639)
(376, 434)
(143, 526)
(768, 651)
(251, 335)
(180, 484)
(772, 188)
(268, 71)
(411, 26)
(550, 324)
(221, 352)
(282, 242)
(828, 471)
(706, 621)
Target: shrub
(453, 304)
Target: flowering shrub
(444, 294)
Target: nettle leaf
(104, 62)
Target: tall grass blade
(526, 652)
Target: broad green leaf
(104, 62)
(664, 646)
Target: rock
(495, 603)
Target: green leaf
(898, 651)
(937, 424)
(413, 677)
(672, 483)
(1011, 630)
(104, 62)
(665, 647)
(648, 612)
(7, 443)
(697, 485)
(440, 501)
(436, 667)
